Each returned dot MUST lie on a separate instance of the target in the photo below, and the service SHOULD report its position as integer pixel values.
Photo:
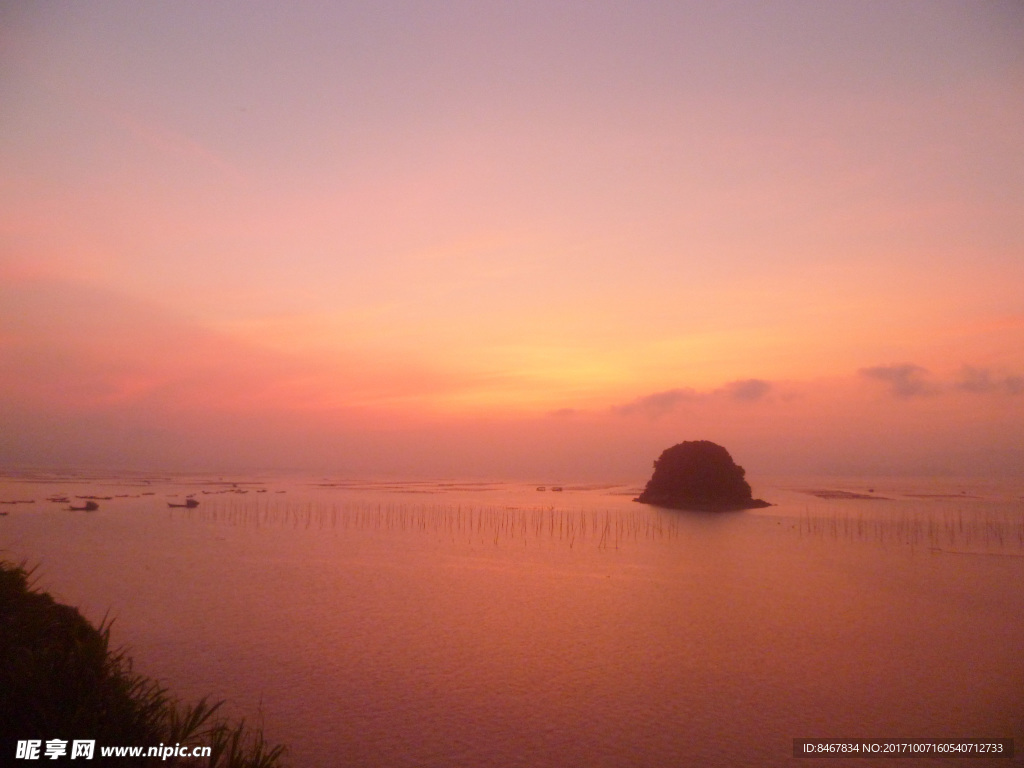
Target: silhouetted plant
(59, 678)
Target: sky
(533, 239)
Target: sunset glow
(539, 238)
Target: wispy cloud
(660, 403)
(162, 139)
(563, 413)
(908, 380)
(904, 380)
(657, 404)
(746, 389)
(984, 381)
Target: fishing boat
(189, 503)
(89, 506)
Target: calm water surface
(492, 624)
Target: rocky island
(699, 475)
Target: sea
(393, 623)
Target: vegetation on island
(60, 679)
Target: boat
(189, 503)
(89, 506)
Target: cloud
(975, 380)
(983, 381)
(906, 380)
(658, 403)
(564, 412)
(746, 389)
(71, 346)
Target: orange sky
(527, 240)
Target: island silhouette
(699, 475)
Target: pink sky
(531, 239)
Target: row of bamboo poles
(605, 528)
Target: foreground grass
(60, 679)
